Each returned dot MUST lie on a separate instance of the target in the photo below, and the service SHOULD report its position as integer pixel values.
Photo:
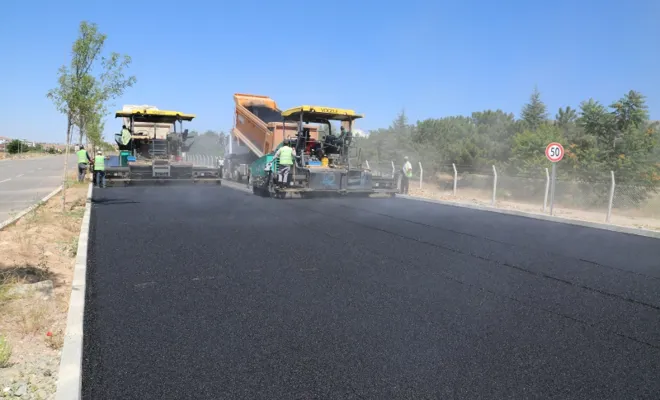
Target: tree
(16, 146)
(534, 113)
(81, 95)
(565, 117)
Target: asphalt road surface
(25, 182)
(212, 293)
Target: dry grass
(5, 352)
(41, 246)
(483, 198)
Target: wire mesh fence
(595, 199)
(202, 160)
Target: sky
(429, 58)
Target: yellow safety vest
(406, 171)
(286, 156)
(99, 163)
(82, 156)
(125, 136)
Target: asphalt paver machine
(153, 149)
(330, 165)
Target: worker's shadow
(108, 202)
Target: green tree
(528, 152)
(630, 111)
(565, 117)
(534, 113)
(16, 146)
(81, 95)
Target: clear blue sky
(433, 58)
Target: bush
(5, 352)
(16, 146)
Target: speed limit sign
(554, 152)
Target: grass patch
(33, 317)
(5, 352)
(55, 340)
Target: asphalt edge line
(69, 377)
(550, 218)
(33, 207)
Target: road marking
(5, 180)
(18, 176)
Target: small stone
(41, 394)
(22, 391)
(6, 390)
(47, 373)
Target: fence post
(455, 177)
(421, 174)
(367, 162)
(611, 202)
(547, 188)
(494, 186)
(393, 169)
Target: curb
(596, 225)
(69, 378)
(20, 215)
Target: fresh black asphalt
(207, 292)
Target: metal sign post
(554, 152)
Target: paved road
(212, 293)
(24, 182)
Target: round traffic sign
(554, 152)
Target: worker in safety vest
(406, 175)
(125, 135)
(286, 154)
(83, 162)
(99, 170)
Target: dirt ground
(39, 247)
(630, 218)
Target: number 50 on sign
(554, 152)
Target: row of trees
(18, 146)
(597, 140)
(87, 85)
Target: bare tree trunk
(66, 161)
(81, 133)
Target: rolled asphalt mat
(206, 292)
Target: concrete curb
(69, 378)
(596, 225)
(20, 215)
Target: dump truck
(323, 165)
(152, 152)
(258, 129)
